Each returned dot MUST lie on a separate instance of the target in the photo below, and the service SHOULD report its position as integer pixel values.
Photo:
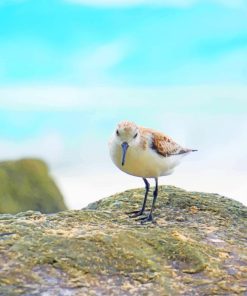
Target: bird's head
(127, 135)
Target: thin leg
(155, 194)
(140, 212)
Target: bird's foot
(135, 214)
(145, 219)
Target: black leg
(140, 212)
(155, 194)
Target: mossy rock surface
(197, 246)
(27, 185)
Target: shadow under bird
(145, 153)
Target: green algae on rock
(27, 185)
(196, 247)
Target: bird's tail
(183, 151)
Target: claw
(137, 214)
(134, 214)
(145, 219)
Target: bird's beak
(125, 146)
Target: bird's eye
(117, 132)
(135, 136)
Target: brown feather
(163, 144)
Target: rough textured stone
(197, 246)
(27, 185)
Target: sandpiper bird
(145, 153)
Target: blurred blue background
(71, 69)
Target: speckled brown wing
(165, 146)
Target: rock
(101, 251)
(27, 185)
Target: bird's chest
(138, 162)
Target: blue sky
(142, 44)
(71, 69)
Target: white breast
(143, 163)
